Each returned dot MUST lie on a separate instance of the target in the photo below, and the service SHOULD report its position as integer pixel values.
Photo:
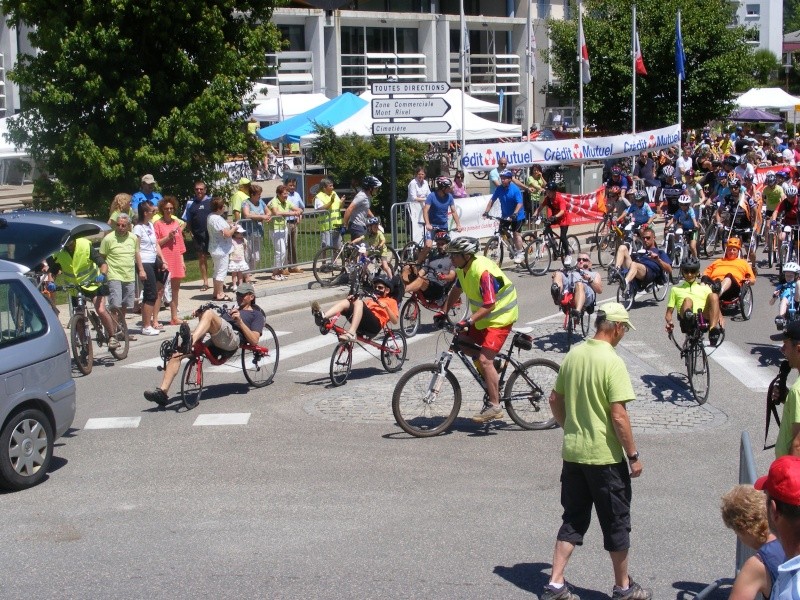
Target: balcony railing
(359, 70)
(487, 74)
(292, 72)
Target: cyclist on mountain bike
(558, 210)
(583, 283)
(788, 207)
(376, 242)
(354, 220)
(512, 210)
(726, 275)
(615, 201)
(367, 316)
(438, 206)
(619, 180)
(692, 296)
(744, 212)
(639, 211)
(685, 218)
(434, 278)
(789, 293)
(641, 268)
(772, 193)
(669, 192)
(228, 331)
(493, 301)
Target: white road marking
(113, 423)
(641, 349)
(741, 365)
(222, 419)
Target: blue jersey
(509, 198)
(685, 218)
(641, 215)
(438, 209)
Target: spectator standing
(645, 169)
(146, 192)
(196, 215)
(169, 231)
(494, 174)
(459, 187)
(120, 204)
(239, 197)
(684, 162)
(120, 249)
(220, 233)
(280, 207)
(256, 213)
(599, 453)
(150, 263)
(331, 221)
(536, 184)
(292, 222)
(418, 188)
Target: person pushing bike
(493, 301)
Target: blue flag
(680, 57)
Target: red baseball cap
(783, 480)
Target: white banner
(470, 215)
(483, 157)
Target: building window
(543, 8)
(294, 35)
(753, 10)
(567, 10)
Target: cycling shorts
(435, 291)
(515, 226)
(491, 338)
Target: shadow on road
(532, 577)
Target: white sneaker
(150, 331)
(519, 257)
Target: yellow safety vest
(333, 220)
(78, 268)
(505, 311)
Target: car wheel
(26, 448)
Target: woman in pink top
(169, 231)
(459, 188)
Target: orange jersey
(738, 268)
(382, 312)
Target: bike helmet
(743, 160)
(748, 176)
(443, 183)
(552, 186)
(615, 189)
(381, 277)
(684, 199)
(770, 179)
(722, 176)
(782, 173)
(441, 235)
(507, 174)
(639, 196)
(688, 173)
(792, 267)
(668, 171)
(373, 221)
(734, 242)
(370, 182)
(731, 161)
(734, 182)
(463, 245)
(616, 171)
(690, 265)
(790, 190)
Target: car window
(23, 244)
(20, 316)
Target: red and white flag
(583, 53)
(640, 68)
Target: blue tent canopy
(329, 114)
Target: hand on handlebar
(670, 326)
(440, 320)
(464, 324)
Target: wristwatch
(633, 457)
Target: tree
(120, 88)
(791, 15)
(764, 65)
(350, 157)
(717, 58)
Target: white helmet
(792, 267)
(790, 190)
(668, 171)
(684, 199)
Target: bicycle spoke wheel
(697, 370)
(192, 383)
(574, 245)
(586, 320)
(394, 261)
(493, 250)
(425, 403)
(81, 341)
(570, 330)
(393, 353)
(538, 257)
(480, 174)
(459, 310)
(341, 363)
(409, 317)
(327, 266)
(660, 290)
(606, 249)
(625, 299)
(121, 333)
(409, 252)
(260, 364)
(746, 302)
(527, 394)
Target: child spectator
(237, 264)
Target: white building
(764, 19)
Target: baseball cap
(239, 229)
(244, 181)
(792, 331)
(506, 174)
(783, 480)
(616, 313)
(246, 288)
(148, 179)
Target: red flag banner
(640, 68)
(585, 208)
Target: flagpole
(633, 69)
(531, 69)
(463, 73)
(679, 47)
(580, 64)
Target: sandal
(177, 322)
(158, 326)
(347, 337)
(204, 287)
(223, 299)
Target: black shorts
(732, 292)
(515, 226)
(369, 326)
(200, 242)
(608, 489)
(435, 291)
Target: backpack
(776, 394)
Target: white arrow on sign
(413, 108)
(425, 87)
(410, 128)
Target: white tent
(452, 97)
(286, 106)
(475, 127)
(7, 149)
(767, 98)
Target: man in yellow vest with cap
(493, 301)
(82, 265)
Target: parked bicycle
(545, 246)
(85, 327)
(427, 399)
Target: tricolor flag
(583, 54)
(532, 53)
(680, 57)
(640, 68)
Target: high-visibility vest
(79, 268)
(505, 311)
(333, 220)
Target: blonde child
(376, 242)
(237, 264)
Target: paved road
(313, 491)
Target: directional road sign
(410, 128)
(386, 88)
(415, 108)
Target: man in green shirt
(119, 249)
(239, 196)
(589, 402)
(789, 433)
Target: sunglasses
(648, 237)
(583, 259)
